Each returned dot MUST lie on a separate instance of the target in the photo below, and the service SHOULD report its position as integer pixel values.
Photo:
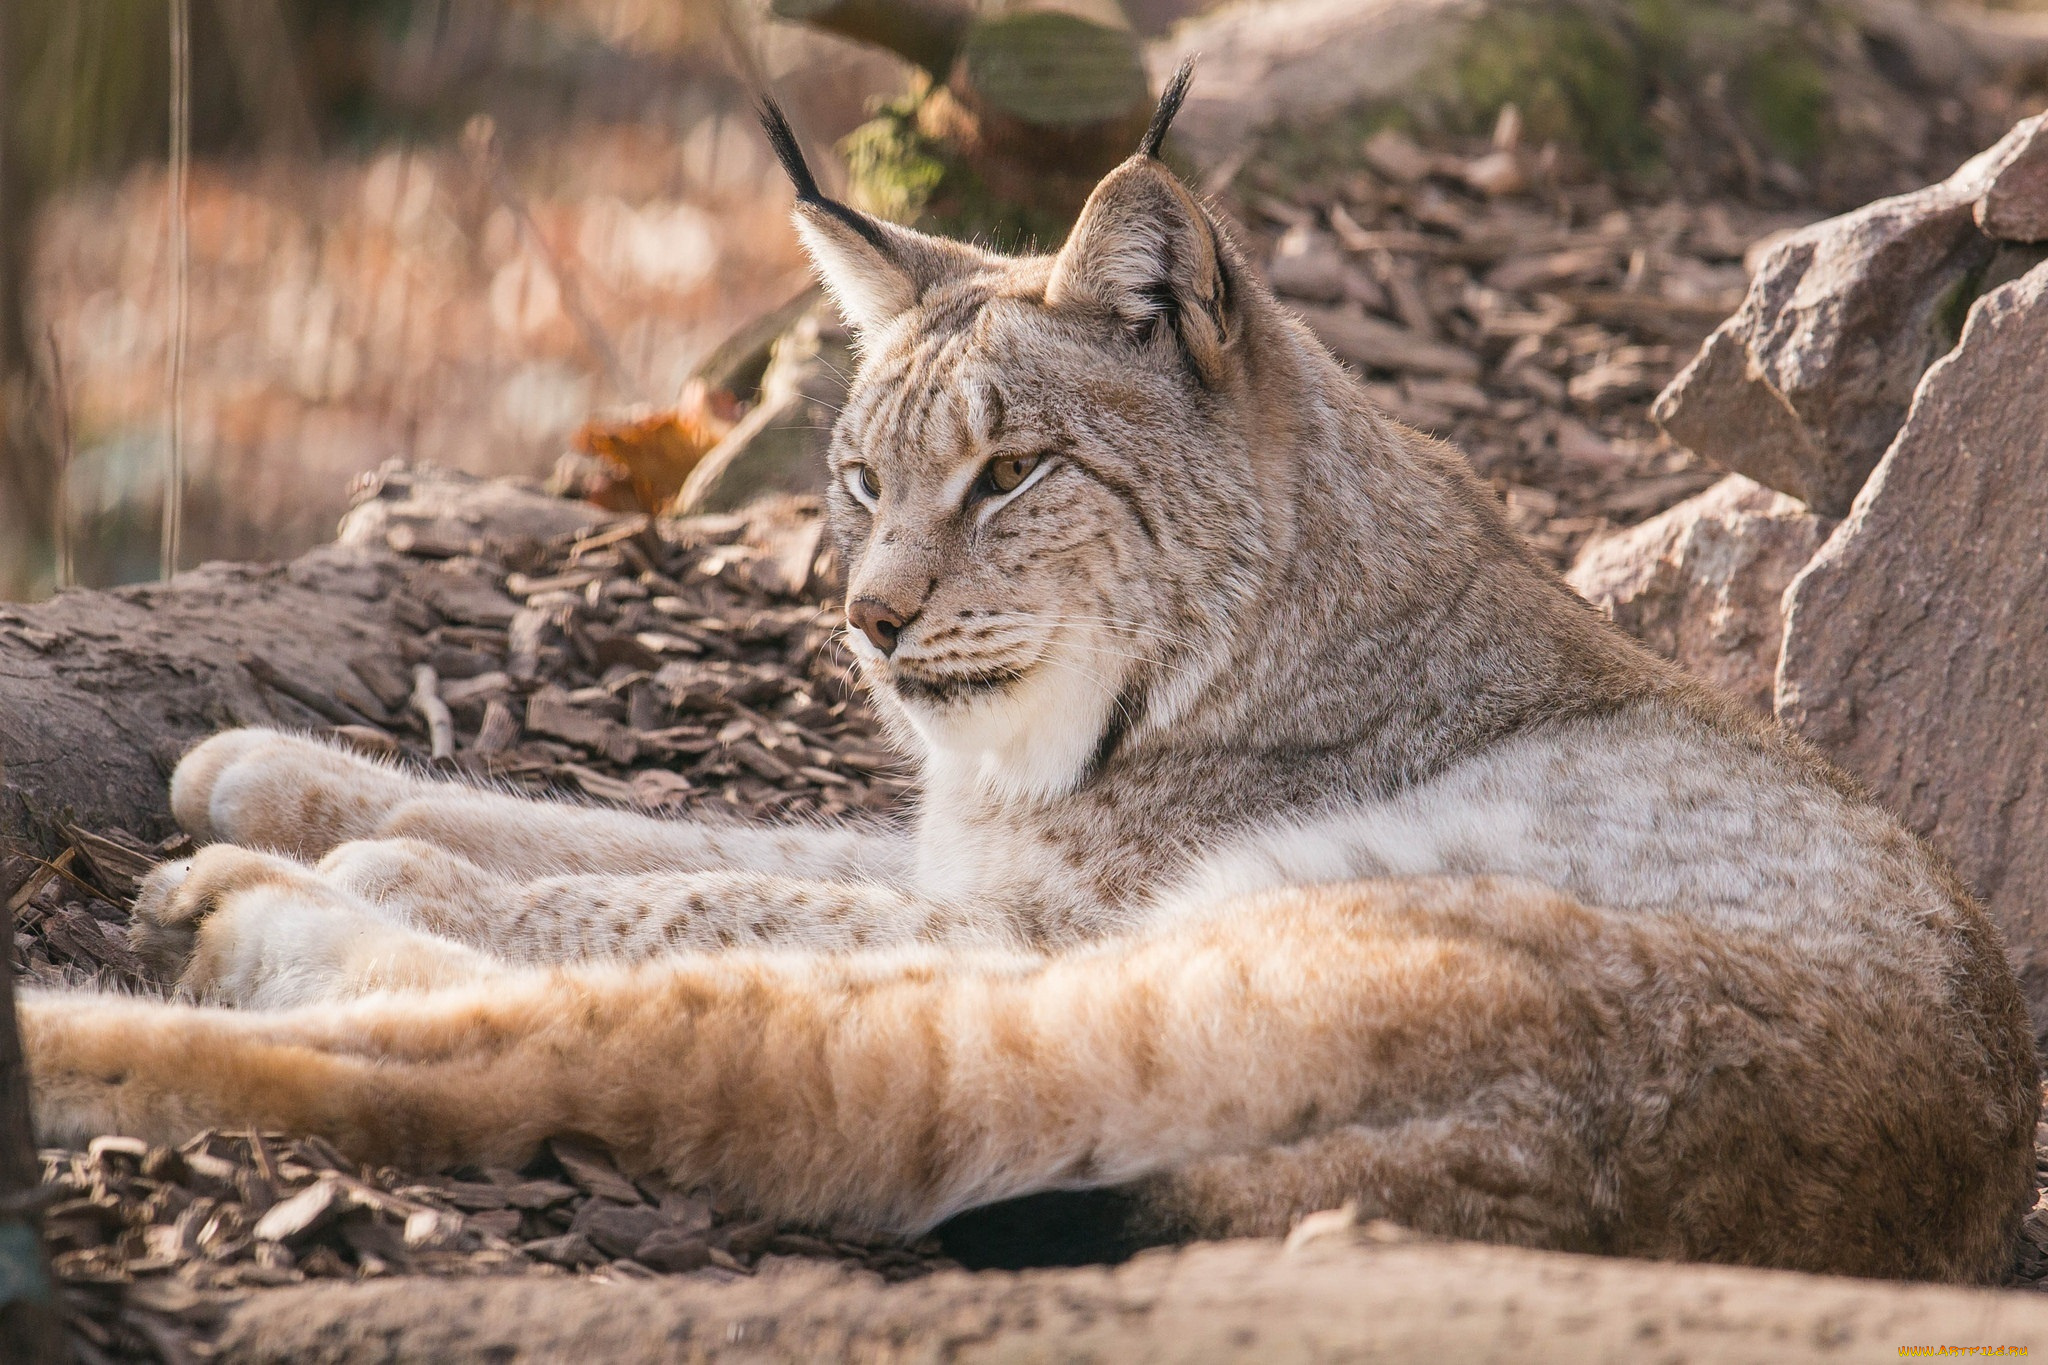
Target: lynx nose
(876, 620)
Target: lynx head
(1040, 481)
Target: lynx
(1289, 836)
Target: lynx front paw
(269, 790)
(247, 928)
(164, 924)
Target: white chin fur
(1032, 740)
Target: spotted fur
(1289, 835)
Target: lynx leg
(253, 929)
(524, 839)
(900, 1087)
(287, 793)
(629, 918)
(903, 1086)
(1509, 1173)
(298, 796)
(897, 1087)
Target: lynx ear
(873, 270)
(1146, 252)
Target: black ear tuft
(1169, 105)
(783, 139)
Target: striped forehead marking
(920, 389)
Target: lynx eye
(864, 484)
(1007, 474)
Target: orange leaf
(655, 453)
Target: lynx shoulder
(1289, 836)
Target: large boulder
(1310, 78)
(1916, 642)
(1302, 61)
(1804, 387)
(2014, 205)
(1701, 582)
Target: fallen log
(100, 692)
(1350, 1295)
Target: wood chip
(538, 1194)
(432, 1230)
(82, 937)
(422, 543)
(1395, 155)
(426, 699)
(590, 1168)
(120, 862)
(468, 597)
(1374, 344)
(1577, 265)
(549, 712)
(471, 1196)
(657, 790)
(499, 730)
(479, 688)
(608, 536)
(521, 585)
(299, 1217)
(385, 677)
(103, 1147)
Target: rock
(1916, 642)
(1301, 62)
(2014, 205)
(1701, 583)
(1804, 387)
(1307, 265)
(780, 445)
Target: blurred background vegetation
(434, 229)
(452, 230)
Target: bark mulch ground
(1524, 317)
(670, 667)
